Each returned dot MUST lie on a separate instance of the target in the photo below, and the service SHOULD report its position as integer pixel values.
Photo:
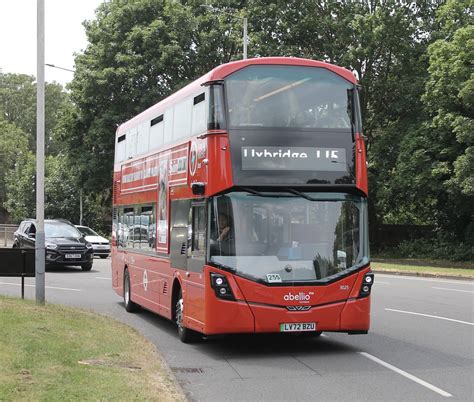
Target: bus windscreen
(284, 237)
(288, 96)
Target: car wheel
(87, 267)
(103, 256)
(186, 335)
(127, 294)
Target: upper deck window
(288, 96)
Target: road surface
(420, 346)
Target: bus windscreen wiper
(260, 194)
(299, 193)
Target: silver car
(100, 245)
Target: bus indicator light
(221, 287)
(367, 285)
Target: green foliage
(61, 194)
(439, 248)
(18, 139)
(13, 146)
(18, 105)
(20, 188)
(427, 156)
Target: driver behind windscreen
(224, 228)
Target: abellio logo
(301, 296)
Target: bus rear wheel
(186, 335)
(127, 294)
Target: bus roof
(223, 71)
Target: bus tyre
(186, 335)
(87, 267)
(127, 294)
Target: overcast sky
(64, 35)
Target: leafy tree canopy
(18, 105)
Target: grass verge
(56, 353)
(424, 267)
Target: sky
(64, 35)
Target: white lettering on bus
(277, 154)
(140, 174)
(265, 153)
(301, 296)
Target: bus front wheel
(186, 335)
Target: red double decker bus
(240, 203)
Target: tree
(430, 175)
(20, 188)
(13, 147)
(449, 98)
(61, 194)
(18, 106)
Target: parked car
(100, 245)
(64, 244)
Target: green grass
(54, 353)
(425, 267)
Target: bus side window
(128, 227)
(179, 233)
(197, 246)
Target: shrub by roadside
(438, 248)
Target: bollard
(5, 236)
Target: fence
(6, 234)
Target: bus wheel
(127, 301)
(186, 335)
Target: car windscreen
(87, 231)
(59, 229)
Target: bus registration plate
(298, 327)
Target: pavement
(420, 346)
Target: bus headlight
(366, 286)
(221, 286)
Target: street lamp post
(244, 19)
(61, 68)
(40, 259)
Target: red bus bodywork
(205, 159)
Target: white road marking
(101, 277)
(410, 278)
(47, 287)
(407, 375)
(455, 290)
(431, 316)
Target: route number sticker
(273, 278)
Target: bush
(438, 248)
